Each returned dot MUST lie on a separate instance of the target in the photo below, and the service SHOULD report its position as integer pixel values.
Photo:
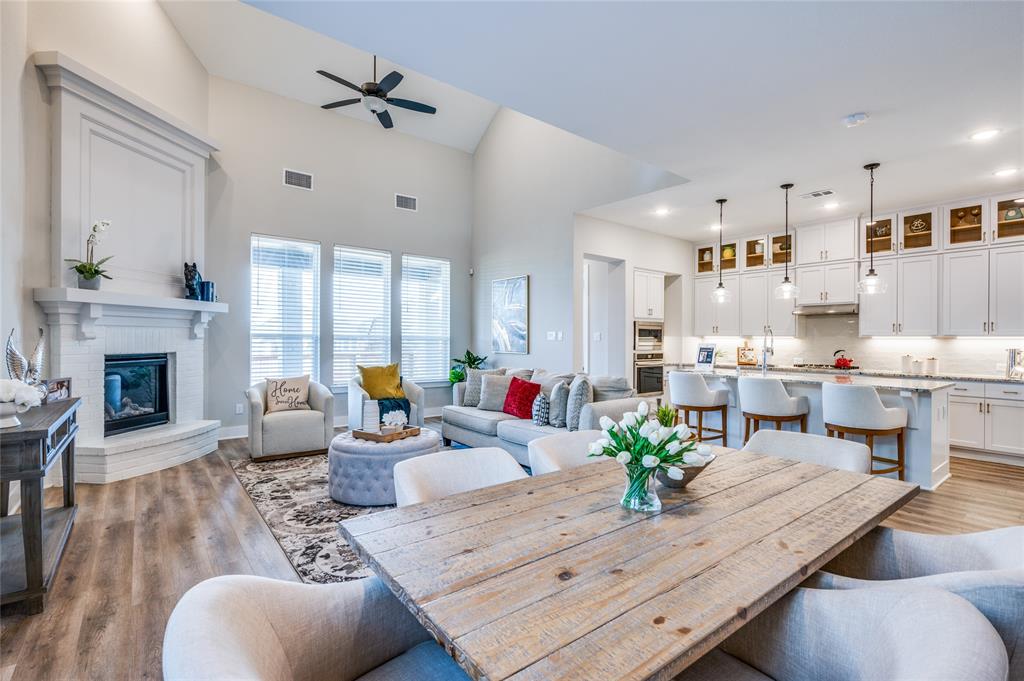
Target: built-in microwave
(648, 336)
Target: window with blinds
(426, 285)
(362, 311)
(284, 317)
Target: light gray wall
(529, 178)
(357, 169)
(644, 250)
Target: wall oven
(649, 373)
(648, 336)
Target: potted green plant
(457, 374)
(90, 270)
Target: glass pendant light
(871, 284)
(787, 290)
(721, 294)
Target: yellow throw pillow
(382, 382)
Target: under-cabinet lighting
(1006, 172)
(984, 135)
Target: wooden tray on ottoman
(408, 431)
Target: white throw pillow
(581, 392)
(493, 392)
(284, 394)
(473, 385)
(558, 405)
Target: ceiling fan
(375, 96)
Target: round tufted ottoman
(361, 472)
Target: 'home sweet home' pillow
(284, 394)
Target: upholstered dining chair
(296, 432)
(863, 635)
(562, 451)
(826, 451)
(986, 568)
(239, 627)
(435, 476)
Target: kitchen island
(926, 401)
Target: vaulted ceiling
(738, 97)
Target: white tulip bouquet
(645, 447)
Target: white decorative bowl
(8, 415)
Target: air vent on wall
(818, 194)
(403, 202)
(300, 180)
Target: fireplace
(134, 392)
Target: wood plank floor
(139, 544)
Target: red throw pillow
(520, 397)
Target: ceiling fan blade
(390, 81)
(338, 79)
(344, 102)
(385, 119)
(412, 106)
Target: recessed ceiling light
(1006, 172)
(1018, 200)
(661, 212)
(984, 135)
(831, 205)
(714, 228)
(855, 119)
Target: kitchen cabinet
(910, 304)
(728, 259)
(918, 230)
(1004, 426)
(707, 259)
(828, 284)
(1007, 213)
(883, 239)
(966, 224)
(754, 252)
(983, 292)
(967, 422)
(761, 310)
(1006, 291)
(965, 293)
(781, 249)
(716, 319)
(829, 242)
(648, 295)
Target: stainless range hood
(826, 309)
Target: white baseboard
(992, 457)
(340, 421)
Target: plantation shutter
(362, 310)
(284, 310)
(426, 327)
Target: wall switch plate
(239, 408)
(551, 335)
(559, 335)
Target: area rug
(292, 497)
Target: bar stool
(766, 399)
(689, 391)
(858, 410)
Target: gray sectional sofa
(477, 427)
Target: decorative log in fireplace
(134, 392)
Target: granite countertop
(916, 384)
(941, 376)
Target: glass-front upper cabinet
(966, 224)
(707, 259)
(882, 239)
(729, 259)
(781, 250)
(754, 252)
(1008, 214)
(918, 230)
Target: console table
(31, 543)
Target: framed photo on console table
(57, 389)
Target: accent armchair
(357, 397)
(297, 432)
(238, 627)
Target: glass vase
(640, 494)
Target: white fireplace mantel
(85, 309)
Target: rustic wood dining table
(550, 578)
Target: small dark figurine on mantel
(192, 281)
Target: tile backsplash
(821, 336)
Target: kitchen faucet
(766, 349)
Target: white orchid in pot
(645, 448)
(90, 270)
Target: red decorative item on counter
(841, 360)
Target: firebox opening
(134, 392)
